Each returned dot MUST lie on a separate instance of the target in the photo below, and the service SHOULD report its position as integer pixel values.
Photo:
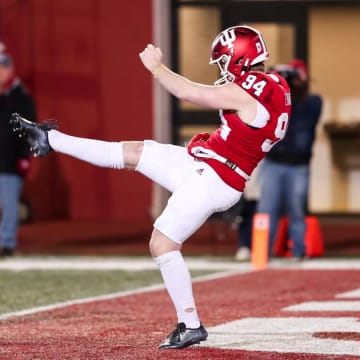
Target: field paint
(110, 296)
(111, 263)
(293, 334)
(143, 263)
(133, 263)
(350, 294)
(325, 306)
(286, 335)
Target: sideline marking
(111, 263)
(292, 334)
(110, 296)
(144, 263)
(325, 306)
(134, 263)
(350, 294)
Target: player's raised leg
(150, 158)
(43, 138)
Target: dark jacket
(296, 147)
(12, 148)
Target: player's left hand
(197, 141)
(199, 138)
(151, 57)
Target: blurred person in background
(208, 175)
(14, 151)
(285, 172)
(248, 206)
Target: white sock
(99, 153)
(177, 281)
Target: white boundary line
(147, 263)
(110, 296)
(110, 263)
(226, 268)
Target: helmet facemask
(223, 63)
(226, 75)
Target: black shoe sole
(175, 346)
(35, 134)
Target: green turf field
(31, 288)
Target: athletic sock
(99, 153)
(178, 283)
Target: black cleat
(182, 337)
(35, 134)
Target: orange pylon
(260, 241)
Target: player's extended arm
(228, 96)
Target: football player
(207, 176)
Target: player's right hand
(151, 57)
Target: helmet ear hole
(239, 60)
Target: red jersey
(244, 146)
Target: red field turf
(131, 327)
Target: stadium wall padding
(80, 60)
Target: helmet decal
(227, 38)
(258, 46)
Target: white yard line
(352, 306)
(144, 263)
(225, 268)
(119, 294)
(286, 335)
(109, 263)
(349, 294)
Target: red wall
(80, 60)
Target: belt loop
(230, 164)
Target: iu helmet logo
(227, 38)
